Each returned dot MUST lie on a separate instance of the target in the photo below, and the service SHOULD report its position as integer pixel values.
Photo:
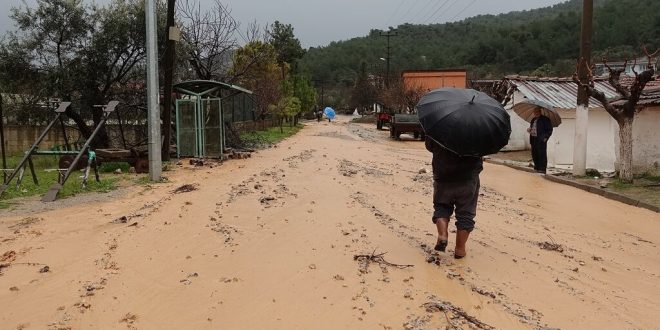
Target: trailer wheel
(416, 135)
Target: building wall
(646, 141)
(430, 80)
(601, 137)
(19, 138)
(519, 139)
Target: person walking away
(319, 115)
(455, 190)
(540, 130)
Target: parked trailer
(404, 123)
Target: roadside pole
(582, 110)
(172, 34)
(2, 142)
(389, 34)
(153, 108)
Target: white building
(603, 134)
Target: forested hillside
(543, 41)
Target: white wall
(519, 139)
(600, 140)
(646, 141)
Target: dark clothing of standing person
(319, 116)
(540, 130)
(455, 191)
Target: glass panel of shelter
(186, 132)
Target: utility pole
(582, 110)
(153, 108)
(2, 142)
(322, 83)
(388, 34)
(168, 62)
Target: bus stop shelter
(203, 108)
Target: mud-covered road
(293, 237)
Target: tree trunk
(626, 149)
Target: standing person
(455, 190)
(319, 115)
(540, 130)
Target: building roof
(203, 87)
(562, 92)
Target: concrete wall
(601, 152)
(519, 139)
(646, 141)
(430, 80)
(19, 138)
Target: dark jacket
(543, 127)
(450, 167)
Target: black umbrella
(465, 121)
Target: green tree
(287, 46)
(84, 54)
(256, 68)
(286, 108)
(305, 92)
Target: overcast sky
(319, 22)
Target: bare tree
(209, 38)
(622, 108)
(400, 97)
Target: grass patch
(72, 187)
(271, 135)
(620, 185)
(110, 167)
(4, 205)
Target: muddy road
(330, 229)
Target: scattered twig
(185, 188)
(551, 246)
(444, 306)
(379, 259)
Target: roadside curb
(509, 164)
(594, 190)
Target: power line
(446, 11)
(394, 13)
(427, 18)
(429, 6)
(410, 8)
(233, 20)
(464, 9)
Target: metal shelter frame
(205, 101)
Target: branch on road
(376, 258)
(445, 306)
